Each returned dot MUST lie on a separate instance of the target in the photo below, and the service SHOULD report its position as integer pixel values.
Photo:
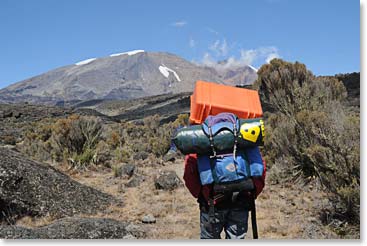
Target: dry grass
(176, 212)
(285, 212)
(29, 221)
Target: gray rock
(135, 231)
(135, 181)
(167, 180)
(17, 232)
(128, 169)
(170, 156)
(7, 114)
(31, 188)
(148, 219)
(129, 236)
(17, 114)
(142, 155)
(75, 228)
(125, 170)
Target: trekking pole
(253, 218)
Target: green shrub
(149, 137)
(82, 160)
(117, 171)
(103, 154)
(37, 143)
(122, 155)
(310, 133)
(75, 138)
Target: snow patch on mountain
(253, 68)
(130, 53)
(85, 61)
(165, 71)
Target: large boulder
(76, 228)
(32, 188)
(167, 180)
(125, 170)
(135, 181)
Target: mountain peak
(130, 53)
(125, 75)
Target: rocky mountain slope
(125, 75)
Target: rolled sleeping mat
(194, 139)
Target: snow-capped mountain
(124, 75)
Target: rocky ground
(158, 206)
(64, 203)
(76, 228)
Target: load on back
(225, 132)
(212, 123)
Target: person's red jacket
(192, 178)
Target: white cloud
(179, 23)
(192, 43)
(271, 57)
(220, 48)
(208, 60)
(213, 31)
(262, 53)
(247, 57)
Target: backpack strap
(235, 141)
(211, 208)
(253, 216)
(212, 168)
(211, 140)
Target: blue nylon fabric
(256, 163)
(253, 168)
(224, 168)
(256, 169)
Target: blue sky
(40, 35)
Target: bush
(37, 141)
(78, 140)
(73, 140)
(76, 134)
(82, 160)
(122, 155)
(103, 154)
(149, 137)
(310, 134)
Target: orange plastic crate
(211, 99)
